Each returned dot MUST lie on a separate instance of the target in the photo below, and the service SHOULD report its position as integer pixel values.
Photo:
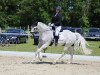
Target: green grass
(95, 46)
(24, 47)
(29, 47)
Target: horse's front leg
(40, 49)
(37, 54)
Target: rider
(56, 22)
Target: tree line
(76, 13)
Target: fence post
(0, 30)
(28, 31)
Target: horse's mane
(42, 27)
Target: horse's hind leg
(63, 54)
(71, 50)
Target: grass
(95, 46)
(29, 47)
(24, 47)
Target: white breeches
(57, 30)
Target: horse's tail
(81, 44)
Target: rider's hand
(52, 24)
(49, 24)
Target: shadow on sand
(43, 62)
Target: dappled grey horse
(71, 41)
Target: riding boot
(56, 40)
(51, 42)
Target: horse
(70, 40)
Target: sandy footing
(12, 65)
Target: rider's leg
(56, 40)
(57, 30)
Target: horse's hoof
(54, 63)
(62, 62)
(40, 59)
(69, 62)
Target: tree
(76, 13)
(94, 17)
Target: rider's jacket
(56, 19)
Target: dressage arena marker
(49, 55)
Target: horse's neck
(44, 28)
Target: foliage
(95, 13)
(77, 13)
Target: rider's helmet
(58, 8)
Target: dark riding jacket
(56, 19)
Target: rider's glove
(52, 24)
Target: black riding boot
(51, 42)
(56, 40)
